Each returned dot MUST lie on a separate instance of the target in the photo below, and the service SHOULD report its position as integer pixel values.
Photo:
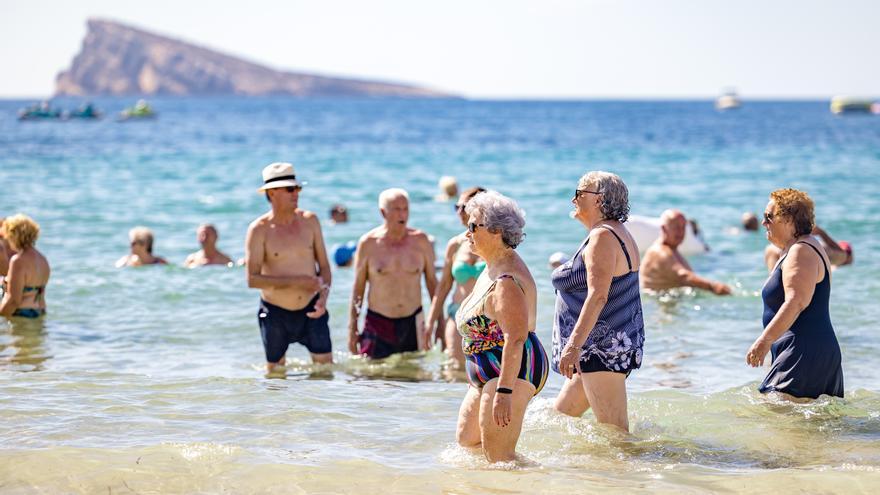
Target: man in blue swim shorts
(287, 261)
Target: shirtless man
(209, 254)
(287, 261)
(663, 267)
(393, 258)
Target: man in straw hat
(392, 258)
(287, 261)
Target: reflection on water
(22, 344)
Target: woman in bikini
(462, 267)
(505, 362)
(25, 284)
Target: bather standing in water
(462, 267)
(663, 267)
(392, 258)
(797, 322)
(28, 274)
(209, 254)
(287, 261)
(141, 243)
(506, 362)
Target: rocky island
(116, 59)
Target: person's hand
(720, 289)
(756, 354)
(320, 308)
(568, 361)
(501, 409)
(353, 341)
(427, 336)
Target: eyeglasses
(472, 227)
(291, 189)
(459, 207)
(578, 192)
(137, 243)
(768, 217)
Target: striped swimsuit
(615, 342)
(483, 345)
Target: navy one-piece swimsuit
(806, 358)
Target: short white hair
(389, 195)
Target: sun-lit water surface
(150, 380)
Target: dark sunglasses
(768, 217)
(459, 207)
(291, 189)
(578, 192)
(472, 227)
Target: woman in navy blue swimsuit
(797, 324)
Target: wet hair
(796, 206)
(500, 214)
(142, 234)
(615, 195)
(21, 230)
(389, 195)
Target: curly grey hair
(615, 195)
(500, 214)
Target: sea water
(151, 380)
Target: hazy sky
(493, 48)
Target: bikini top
(479, 333)
(463, 272)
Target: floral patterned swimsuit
(615, 342)
(482, 341)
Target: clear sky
(493, 48)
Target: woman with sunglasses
(506, 364)
(797, 324)
(141, 243)
(598, 330)
(462, 267)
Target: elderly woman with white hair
(141, 243)
(505, 362)
(598, 330)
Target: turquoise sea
(150, 380)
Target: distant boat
(846, 104)
(40, 111)
(141, 111)
(87, 112)
(728, 101)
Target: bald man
(209, 254)
(663, 267)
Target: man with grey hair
(392, 258)
(663, 267)
(287, 261)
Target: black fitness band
(503, 390)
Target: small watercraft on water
(87, 111)
(141, 111)
(728, 101)
(39, 111)
(846, 104)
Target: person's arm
(190, 260)
(800, 270)
(14, 287)
(600, 258)
(323, 270)
(357, 293)
(771, 256)
(507, 304)
(433, 326)
(431, 284)
(836, 254)
(688, 278)
(254, 253)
